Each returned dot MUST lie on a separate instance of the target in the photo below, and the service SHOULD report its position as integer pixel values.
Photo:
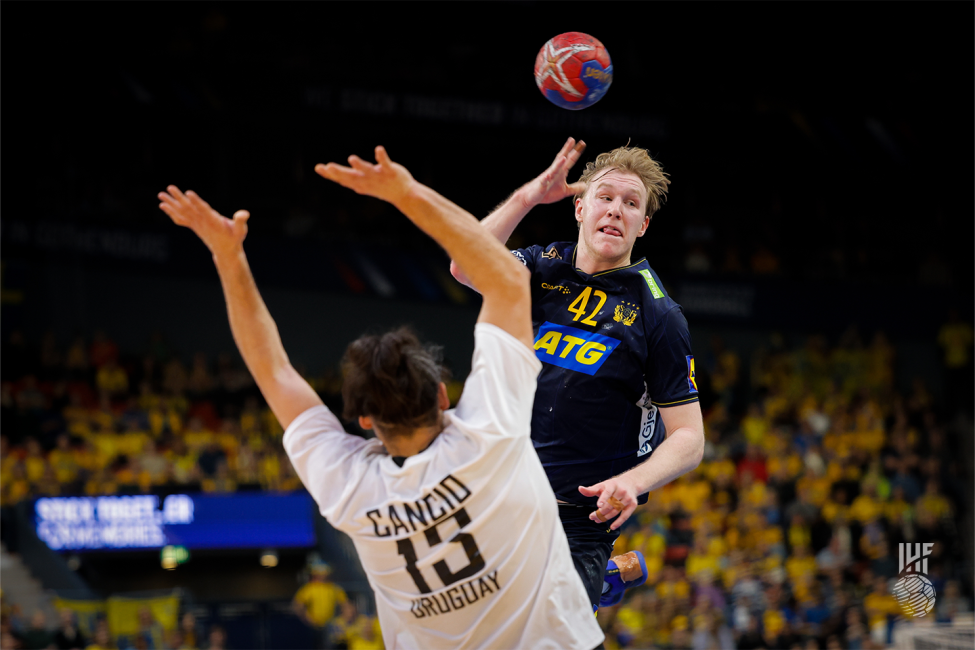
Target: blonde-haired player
(616, 410)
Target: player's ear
(579, 209)
(365, 423)
(443, 401)
(643, 229)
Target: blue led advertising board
(196, 521)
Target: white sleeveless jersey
(462, 545)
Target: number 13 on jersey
(475, 561)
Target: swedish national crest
(625, 314)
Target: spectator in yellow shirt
(754, 425)
(700, 559)
(185, 469)
(956, 338)
(344, 625)
(879, 604)
(35, 463)
(801, 565)
(15, 487)
(197, 436)
(112, 380)
(721, 471)
(64, 461)
(817, 487)
(367, 635)
(316, 601)
(933, 502)
(898, 510)
(866, 507)
(673, 585)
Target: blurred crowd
(786, 536)
(335, 619)
(82, 420)
(816, 467)
(72, 631)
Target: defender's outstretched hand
(223, 236)
(384, 180)
(551, 185)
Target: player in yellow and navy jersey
(616, 411)
(615, 350)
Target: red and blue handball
(573, 70)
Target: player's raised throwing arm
(254, 330)
(499, 277)
(550, 186)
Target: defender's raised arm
(492, 270)
(255, 332)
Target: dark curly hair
(392, 378)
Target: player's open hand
(615, 497)
(552, 185)
(384, 180)
(224, 237)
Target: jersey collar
(575, 249)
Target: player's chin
(611, 249)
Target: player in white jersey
(450, 510)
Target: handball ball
(573, 70)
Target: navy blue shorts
(591, 545)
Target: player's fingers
(609, 511)
(173, 214)
(566, 148)
(594, 491)
(550, 172)
(589, 491)
(197, 201)
(576, 188)
(176, 193)
(332, 170)
(196, 198)
(624, 515)
(603, 508)
(605, 513)
(240, 222)
(359, 164)
(575, 152)
(166, 198)
(556, 171)
(339, 174)
(382, 157)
